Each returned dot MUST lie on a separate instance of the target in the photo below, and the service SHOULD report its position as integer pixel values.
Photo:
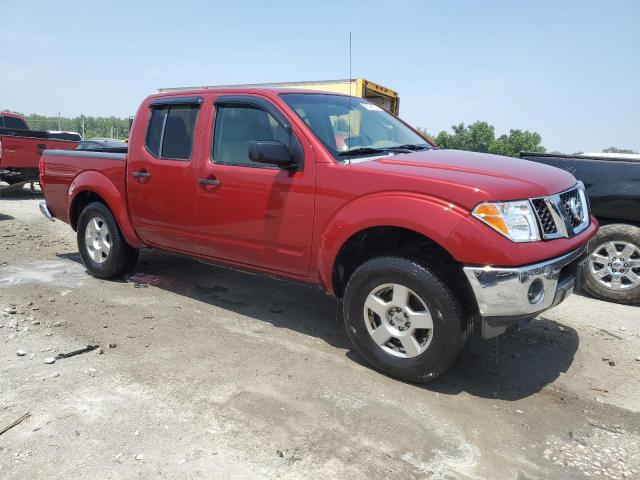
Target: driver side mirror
(271, 152)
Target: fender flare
(101, 185)
(432, 217)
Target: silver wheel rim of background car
(616, 265)
(398, 320)
(97, 239)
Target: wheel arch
(91, 186)
(382, 241)
(432, 218)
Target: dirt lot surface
(220, 374)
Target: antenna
(350, 95)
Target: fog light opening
(536, 291)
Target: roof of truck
(268, 85)
(7, 113)
(238, 89)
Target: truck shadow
(287, 305)
(515, 365)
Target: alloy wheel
(398, 320)
(616, 265)
(98, 239)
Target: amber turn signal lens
(491, 214)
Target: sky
(569, 70)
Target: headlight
(514, 220)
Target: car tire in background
(403, 319)
(104, 251)
(612, 271)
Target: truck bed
(20, 151)
(62, 167)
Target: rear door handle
(41, 147)
(209, 181)
(141, 174)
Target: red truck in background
(21, 148)
(421, 244)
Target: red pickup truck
(421, 244)
(21, 148)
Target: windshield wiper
(363, 151)
(410, 146)
(399, 148)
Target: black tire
(121, 257)
(448, 334)
(619, 234)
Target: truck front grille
(565, 202)
(564, 214)
(544, 217)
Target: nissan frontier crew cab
(330, 190)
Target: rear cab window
(13, 122)
(171, 128)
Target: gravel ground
(203, 372)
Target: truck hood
(478, 176)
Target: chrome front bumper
(45, 210)
(508, 294)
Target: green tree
(480, 137)
(476, 137)
(517, 141)
(617, 150)
(93, 126)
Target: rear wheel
(613, 269)
(403, 319)
(104, 251)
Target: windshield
(353, 127)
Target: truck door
(161, 172)
(250, 213)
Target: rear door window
(170, 131)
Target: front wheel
(613, 269)
(104, 251)
(403, 319)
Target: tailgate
(21, 152)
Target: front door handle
(141, 176)
(209, 181)
(41, 148)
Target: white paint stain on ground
(62, 273)
(446, 465)
(458, 457)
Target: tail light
(41, 171)
(0, 149)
